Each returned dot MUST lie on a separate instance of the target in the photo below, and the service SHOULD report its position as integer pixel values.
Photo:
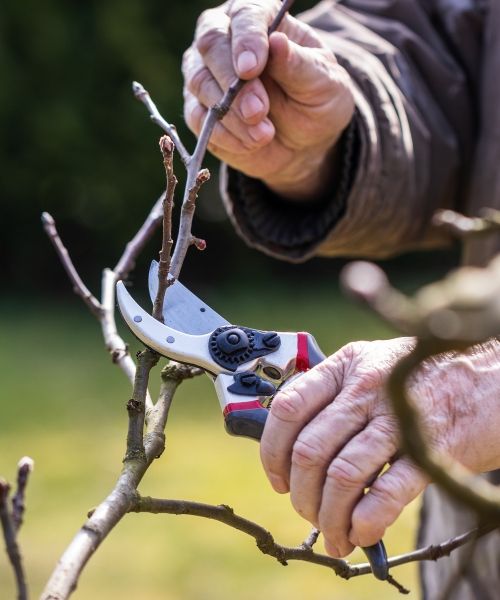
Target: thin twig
(137, 243)
(143, 95)
(11, 546)
(136, 406)
(185, 237)
(164, 281)
(311, 539)
(78, 286)
(304, 552)
(24, 468)
(196, 176)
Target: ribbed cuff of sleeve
(283, 228)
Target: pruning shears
(248, 366)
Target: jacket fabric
(425, 135)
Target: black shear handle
(250, 422)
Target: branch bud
(26, 465)
(198, 243)
(202, 177)
(138, 90)
(167, 146)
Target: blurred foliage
(75, 142)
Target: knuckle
(288, 406)
(308, 453)
(387, 495)
(365, 525)
(193, 114)
(345, 474)
(206, 41)
(198, 83)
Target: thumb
(301, 72)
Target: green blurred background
(77, 144)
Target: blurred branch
(454, 314)
(11, 521)
(468, 227)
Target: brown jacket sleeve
(406, 153)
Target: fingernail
(331, 550)
(251, 105)
(247, 61)
(278, 483)
(261, 131)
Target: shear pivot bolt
(233, 341)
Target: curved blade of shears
(180, 346)
(182, 309)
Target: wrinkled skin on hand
(331, 432)
(283, 126)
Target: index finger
(249, 38)
(291, 410)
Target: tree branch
(132, 250)
(103, 519)
(78, 286)
(24, 468)
(267, 544)
(11, 545)
(143, 95)
(167, 148)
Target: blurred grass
(62, 402)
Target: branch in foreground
(452, 315)
(467, 227)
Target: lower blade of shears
(183, 310)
